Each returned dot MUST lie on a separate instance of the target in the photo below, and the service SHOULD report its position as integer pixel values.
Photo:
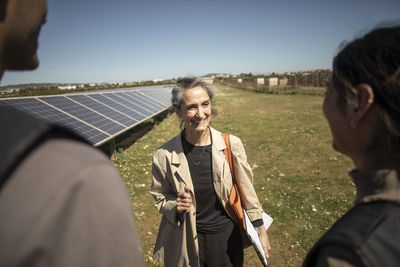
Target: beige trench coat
(176, 243)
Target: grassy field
(300, 181)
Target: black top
(211, 217)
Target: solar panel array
(98, 116)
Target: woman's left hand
(262, 234)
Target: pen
(184, 214)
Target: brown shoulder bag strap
(231, 162)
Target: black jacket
(369, 231)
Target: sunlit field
(300, 181)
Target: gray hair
(187, 83)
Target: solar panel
(146, 102)
(139, 104)
(98, 116)
(103, 109)
(82, 113)
(145, 107)
(141, 113)
(158, 96)
(115, 105)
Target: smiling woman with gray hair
(191, 186)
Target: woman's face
(338, 121)
(195, 109)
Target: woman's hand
(183, 202)
(262, 234)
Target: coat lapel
(180, 167)
(218, 159)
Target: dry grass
(300, 181)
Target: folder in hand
(253, 235)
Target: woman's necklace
(192, 158)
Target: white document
(253, 235)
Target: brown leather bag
(237, 199)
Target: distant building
(9, 91)
(207, 80)
(271, 81)
(283, 82)
(260, 81)
(67, 87)
(223, 75)
(240, 80)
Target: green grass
(300, 181)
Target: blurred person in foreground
(62, 203)
(362, 107)
(194, 162)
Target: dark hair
(3, 7)
(373, 59)
(187, 83)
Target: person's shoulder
(236, 142)
(74, 164)
(75, 150)
(368, 216)
(232, 138)
(235, 139)
(361, 229)
(58, 168)
(73, 160)
(167, 147)
(335, 256)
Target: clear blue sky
(133, 40)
